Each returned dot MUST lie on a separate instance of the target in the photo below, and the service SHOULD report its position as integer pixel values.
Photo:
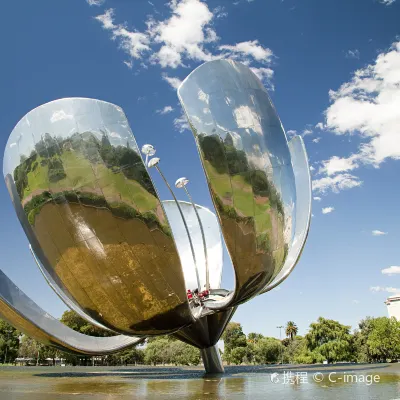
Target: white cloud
(384, 289)
(184, 33)
(368, 105)
(387, 2)
(316, 140)
(328, 210)
(165, 110)
(316, 198)
(336, 164)
(265, 75)
(312, 168)
(353, 54)
(378, 233)
(129, 64)
(181, 123)
(307, 131)
(391, 270)
(59, 116)
(95, 2)
(291, 132)
(135, 44)
(251, 48)
(336, 183)
(173, 81)
(115, 135)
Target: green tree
(77, 323)
(9, 342)
(157, 351)
(31, 348)
(268, 350)
(291, 330)
(383, 340)
(233, 337)
(254, 337)
(294, 349)
(330, 339)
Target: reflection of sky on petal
(213, 242)
(302, 206)
(63, 118)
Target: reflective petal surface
(213, 241)
(93, 217)
(25, 315)
(303, 209)
(248, 167)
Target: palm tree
(291, 330)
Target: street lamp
(153, 163)
(280, 338)
(181, 183)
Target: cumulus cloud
(367, 106)
(328, 210)
(184, 33)
(307, 131)
(387, 2)
(316, 140)
(336, 164)
(391, 270)
(353, 54)
(174, 82)
(384, 289)
(243, 50)
(181, 123)
(335, 183)
(59, 116)
(291, 132)
(378, 233)
(316, 198)
(95, 2)
(165, 110)
(134, 43)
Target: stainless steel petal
(303, 209)
(93, 216)
(213, 241)
(246, 159)
(24, 314)
(68, 302)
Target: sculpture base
(212, 360)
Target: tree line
(375, 340)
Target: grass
(243, 197)
(80, 174)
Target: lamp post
(280, 338)
(182, 183)
(154, 163)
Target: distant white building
(393, 306)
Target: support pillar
(212, 360)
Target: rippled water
(288, 382)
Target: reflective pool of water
(344, 381)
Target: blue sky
(333, 71)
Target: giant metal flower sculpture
(129, 262)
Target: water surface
(346, 381)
